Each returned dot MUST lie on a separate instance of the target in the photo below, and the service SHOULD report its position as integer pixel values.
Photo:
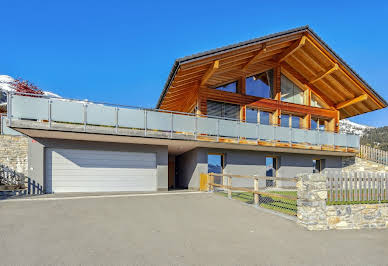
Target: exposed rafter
(210, 72)
(303, 80)
(324, 74)
(258, 54)
(352, 101)
(292, 49)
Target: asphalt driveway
(171, 229)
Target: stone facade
(357, 216)
(312, 195)
(14, 153)
(314, 214)
(358, 164)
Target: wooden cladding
(299, 55)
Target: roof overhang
(313, 61)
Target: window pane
(251, 115)
(231, 111)
(314, 124)
(214, 108)
(317, 166)
(265, 118)
(285, 121)
(260, 85)
(295, 122)
(214, 163)
(231, 87)
(314, 101)
(225, 110)
(290, 92)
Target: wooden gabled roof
(299, 51)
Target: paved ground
(171, 229)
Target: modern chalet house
(268, 106)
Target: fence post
(256, 189)
(210, 182)
(229, 187)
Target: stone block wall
(357, 216)
(312, 195)
(314, 214)
(14, 153)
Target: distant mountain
(376, 138)
(349, 127)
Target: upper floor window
(291, 92)
(260, 85)
(230, 87)
(224, 110)
(251, 115)
(314, 101)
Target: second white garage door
(69, 170)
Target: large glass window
(314, 101)
(285, 120)
(260, 85)
(226, 110)
(265, 118)
(251, 115)
(290, 92)
(318, 165)
(230, 87)
(271, 165)
(215, 164)
(317, 123)
(295, 122)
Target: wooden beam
(352, 101)
(258, 54)
(210, 72)
(292, 49)
(324, 74)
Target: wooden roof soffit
(324, 74)
(352, 101)
(215, 65)
(258, 55)
(292, 49)
(343, 72)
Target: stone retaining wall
(14, 153)
(314, 214)
(357, 216)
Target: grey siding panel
(191, 164)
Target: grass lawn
(286, 206)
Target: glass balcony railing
(84, 113)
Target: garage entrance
(70, 170)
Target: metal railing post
(49, 112)
(117, 120)
(85, 116)
(218, 130)
(196, 127)
(145, 123)
(172, 125)
(9, 108)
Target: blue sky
(122, 52)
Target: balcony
(67, 115)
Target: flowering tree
(25, 86)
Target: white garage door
(70, 170)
